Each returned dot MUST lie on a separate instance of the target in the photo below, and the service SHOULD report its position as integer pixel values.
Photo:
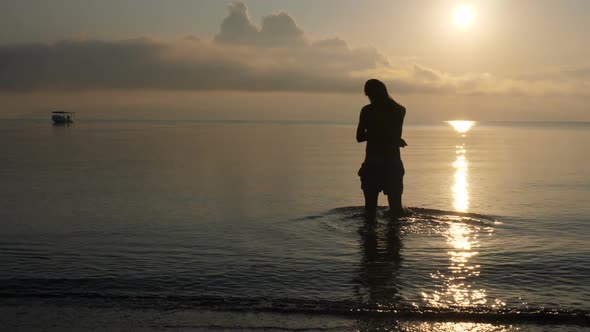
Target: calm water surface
(265, 217)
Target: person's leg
(371, 198)
(394, 198)
(395, 204)
(396, 208)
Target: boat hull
(61, 119)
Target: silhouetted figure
(380, 125)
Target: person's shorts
(383, 175)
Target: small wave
(416, 212)
(256, 328)
(443, 213)
(296, 306)
(420, 221)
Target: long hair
(377, 92)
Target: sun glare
(463, 16)
(461, 126)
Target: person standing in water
(380, 125)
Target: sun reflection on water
(456, 287)
(452, 327)
(461, 165)
(461, 126)
(460, 193)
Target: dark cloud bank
(276, 56)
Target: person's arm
(361, 130)
(402, 142)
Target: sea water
(200, 225)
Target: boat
(59, 117)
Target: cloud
(78, 65)
(426, 74)
(182, 65)
(237, 27)
(277, 29)
(277, 56)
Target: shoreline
(65, 315)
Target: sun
(463, 16)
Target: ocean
(257, 226)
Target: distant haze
(301, 60)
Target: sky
(295, 60)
